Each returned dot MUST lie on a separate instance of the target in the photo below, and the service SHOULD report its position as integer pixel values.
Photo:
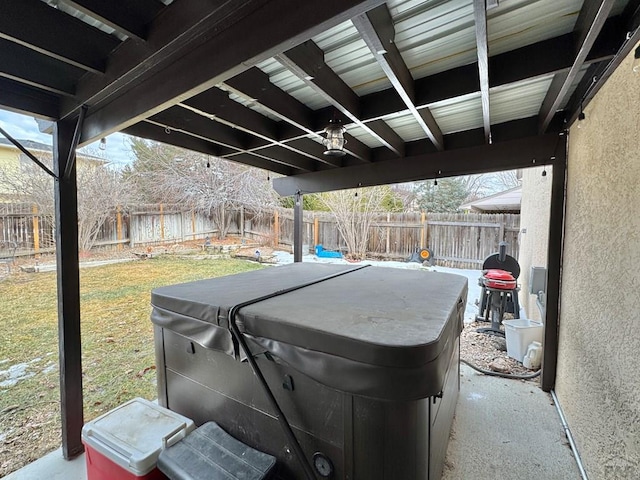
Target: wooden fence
(34, 232)
(461, 240)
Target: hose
(499, 374)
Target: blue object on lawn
(321, 252)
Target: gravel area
(483, 350)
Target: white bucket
(519, 333)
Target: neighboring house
(10, 161)
(13, 160)
(504, 202)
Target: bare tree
(354, 211)
(219, 186)
(210, 185)
(100, 191)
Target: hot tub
(364, 363)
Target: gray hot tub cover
(378, 332)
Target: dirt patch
(482, 349)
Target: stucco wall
(534, 231)
(598, 381)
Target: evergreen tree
(446, 196)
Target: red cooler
(124, 443)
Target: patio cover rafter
(306, 61)
(377, 30)
(165, 83)
(592, 18)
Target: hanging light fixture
(334, 142)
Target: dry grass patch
(117, 335)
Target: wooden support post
(36, 230)
(423, 232)
(554, 269)
(193, 224)
(297, 228)
(161, 222)
(316, 231)
(119, 226)
(68, 276)
(276, 229)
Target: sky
(23, 127)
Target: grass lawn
(117, 335)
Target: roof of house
(34, 146)
(28, 144)
(506, 201)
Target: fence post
(501, 232)
(193, 224)
(241, 221)
(161, 222)
(423, 232)
(386, 250)
(119, 226)
(316, 231)
(132, 227)
(276, 227)
(36, 230)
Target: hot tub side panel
(364, 438)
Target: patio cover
(425, 89)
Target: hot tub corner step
(211, 453)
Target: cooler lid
(133, 434)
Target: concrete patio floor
(505, 429)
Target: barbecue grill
(499, 290)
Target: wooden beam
(160, 81)
(592, 18)
(27, 100)
(184, 120)
(298, 213)
(57, 35)
(178, 139)
(554, 273)
(254, 86)
(68, 277)
(128, 18)
(306, 61)
(482, 48)
(506, 68)
(377, 30)
(588, 88)
(23, 65)
(216, 104)
(498, 156)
